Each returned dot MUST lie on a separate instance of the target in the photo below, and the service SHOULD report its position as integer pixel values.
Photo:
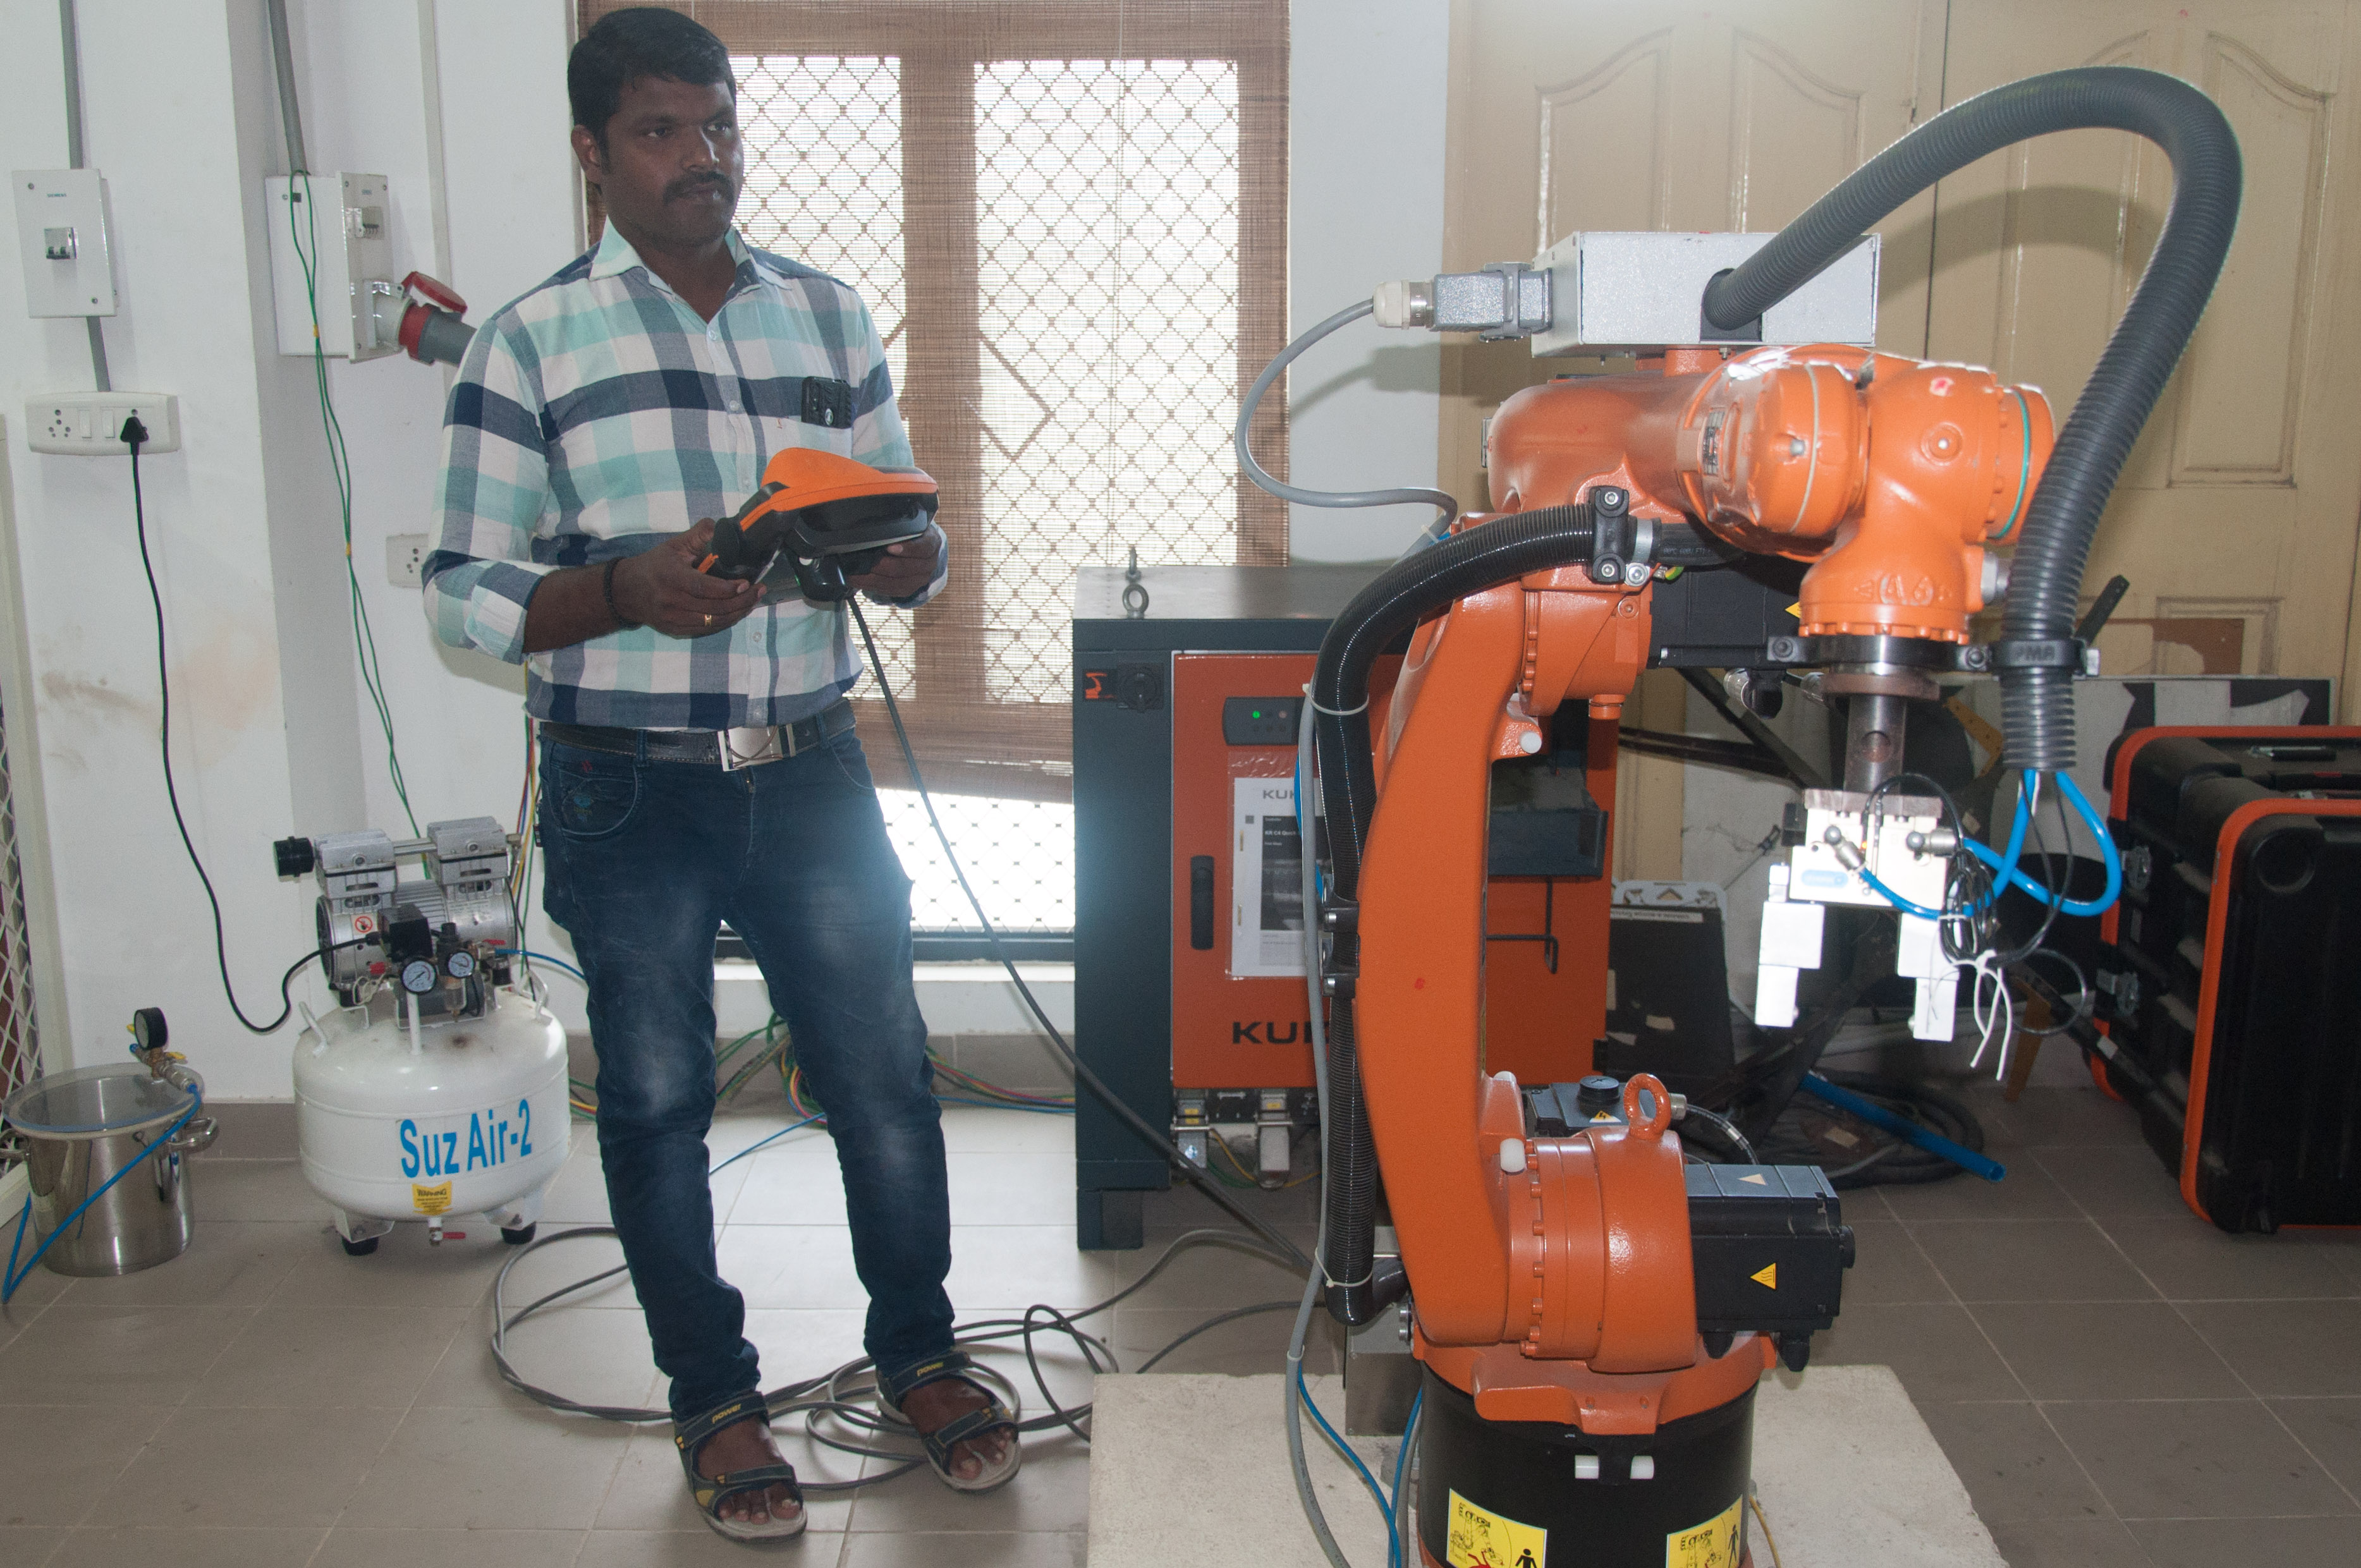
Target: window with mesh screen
(1068, 222)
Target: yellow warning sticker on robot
(1481, 1538)
(1713, 1544)
(1766, 1277)
(430, 1200)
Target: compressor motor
(445, 940)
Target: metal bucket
(83, 1126)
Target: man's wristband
(606, 587)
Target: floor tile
(2067, 1543)
(2190, 1260)
(705, 1549)
(595, 1358)
(267, 1191)
(490, 1469)
(1006, 1189)
(1050, 1494)
(151, 1353)
(376, 1356)
(406, 1270)
(2245, 1543)
(1026, 1062)
(794, 1267)
(348, 1548)
(2113, 1182)
(968, 1550)
(183, 1547)
(650, 1494)
(33, 1293)
(2031, 1260)
(1888, 1268)
(2025, 1193)
(2193, 1459)
(247, 1467)
(2285, 1348)
(2012, 1463)
(26, 1546)
(253, 1129)
(2331, 1429)
(2043, 1118)
(798, 1185)
(1240, 1348)
(559, 1258)
(578, 1196)
(969, 1129)
(60, 1461)
(2130, 1349)
(227, 1263)
(1936, 1351)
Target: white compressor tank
(457, 1115)
(438, 1088)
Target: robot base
(1514, 1480)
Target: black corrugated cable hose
(1412, 589)
(2045, 577)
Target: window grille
(1068, 220)
(20, 1046)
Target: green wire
(340, 464)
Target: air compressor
(437, 1087)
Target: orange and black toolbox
(2237, 943)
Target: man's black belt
(726, 748)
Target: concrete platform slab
(1192, 1470)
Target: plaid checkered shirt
(599, 414)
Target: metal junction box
(1615, 292)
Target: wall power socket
(405, 559)
(88, 425)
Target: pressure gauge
(147, 1029)
(460, 965)
(418, 977)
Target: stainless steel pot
(82, 1127)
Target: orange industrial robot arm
(1893, 475)
(1586, 1301)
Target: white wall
(1365, 101)
(271, 734)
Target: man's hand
(662, 589)
(905, 569)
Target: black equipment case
(2238, 938)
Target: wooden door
(1588, 115)
(2236, 516)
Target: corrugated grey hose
(2046, 578)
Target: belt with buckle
(732, 749)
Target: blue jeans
(645, 860)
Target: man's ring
(708, 620)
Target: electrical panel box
(61, 232)
(331, 247)
(1617, 292)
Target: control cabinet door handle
(1201, 903)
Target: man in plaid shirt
(698, 761)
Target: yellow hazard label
(1602, 1115)
(430, 1200)
(1482, 1538)
(1713, 1544)
(1756, 1179)
(1766, 1277)
(1796, 609)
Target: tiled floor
(265, 1400)
(2117, 1383)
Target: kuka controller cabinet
(2238, 938)
(1189, 995)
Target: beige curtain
(1069, 220)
